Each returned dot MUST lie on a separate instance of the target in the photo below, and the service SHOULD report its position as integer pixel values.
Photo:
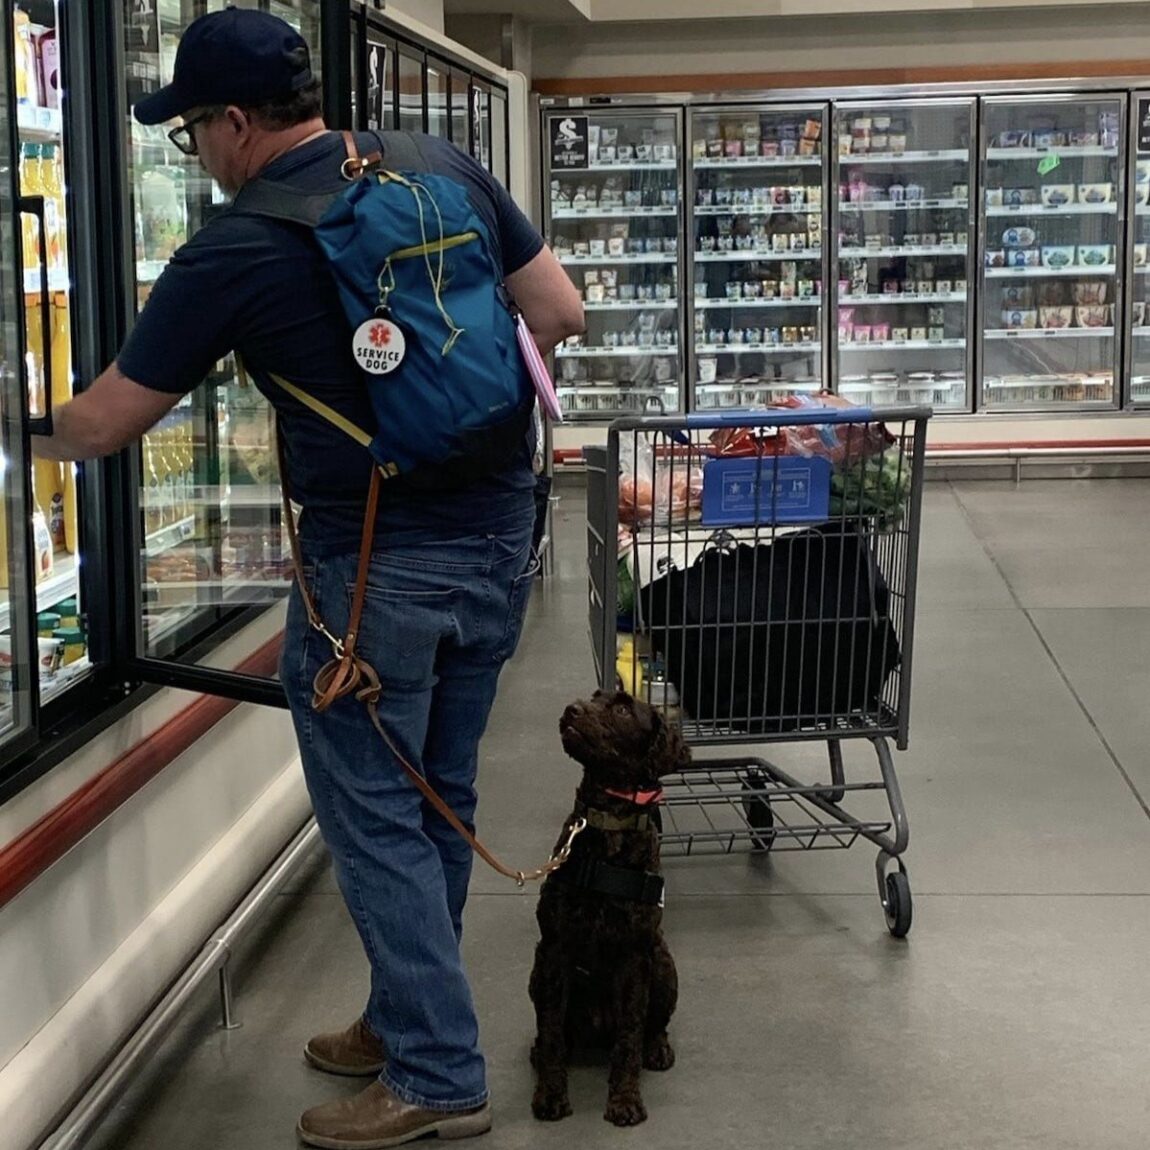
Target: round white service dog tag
(379, 346)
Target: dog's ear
(669, 751)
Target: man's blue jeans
(441, 617)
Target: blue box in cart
(744, 490)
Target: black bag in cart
(778, 636)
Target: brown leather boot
(376, 1119)
(355, 1052)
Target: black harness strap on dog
(614, 881)
(601, 820)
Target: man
(449, 578)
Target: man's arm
(112, 413)
(548, 299)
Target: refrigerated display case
(905, 247)
(41, 85)
(438, 111)
(1138, 265)
(209, 539)
(1053, 196)
(613, 218)
(757, 253)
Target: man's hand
(548, 299)
(112, 413)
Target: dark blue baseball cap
(237, 56)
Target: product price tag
(1048, 163)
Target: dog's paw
(628, 1111)
(659, 1055)
(550, 1107)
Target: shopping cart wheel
(897, 905)
(757, 810)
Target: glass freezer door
(612, 198)
(757, 253)
(1054, 197)
(19, 649)
(905, 244)
(1137, 261)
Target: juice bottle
(49, 50)
(53, 193)
(61, 384)
(153, 489)
(30, 186)
(23, 43)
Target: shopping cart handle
(781, 417)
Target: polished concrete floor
(1015, 1015)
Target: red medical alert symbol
(378, 346)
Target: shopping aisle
(1014, 1016)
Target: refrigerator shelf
(1041, 273)
(1038, 153)
(63, 583)
(645, 258)
(627, 166)
(1050, 333)
(1142, 210)
(758, 162)
(886, 253)
(1053, 209)
(1141, 333)
(601, 352)
(798, 301)
(903, 205)
(633, 305)
(905, 157)
(898, 298)
(43, 124)
(168, 537)
(755, 257)
(765, 210)
(754, 348)
(620, 212)
(902, 345)
(57, 280)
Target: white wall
(429, 12)
(1110, 31)
(81, 955)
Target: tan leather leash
(348, 674)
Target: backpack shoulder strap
(401, 151)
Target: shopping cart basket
(753, 575)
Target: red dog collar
(639, 798)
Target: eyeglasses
(183, 136)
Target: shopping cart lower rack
(753, 575)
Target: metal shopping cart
(753, 575)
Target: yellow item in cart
(628, 667)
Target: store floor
(1015, 1015)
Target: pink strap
(537, 369)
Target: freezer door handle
(41, 422)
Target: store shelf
(621, 212)
(1142, 210)
(1054, 210)
(757, 210)
(633, 305)
(754, 348)
(625, 166)
(899, 298)
(719, 304)
(168, 537)
(904, 157)
(1038, 153)
(57, 280)
(612, 352)
(1051, 333)
(895, 253)
(755, 257)
(644, 258)
(1042, 273)
(902, 345)
(757, 162)
(63, 583)
(904, 205)
(1141, 332)
(43, 124)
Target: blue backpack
(435, 330)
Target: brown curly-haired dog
(602, 969)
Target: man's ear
(238, 119)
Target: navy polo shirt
(262, 288)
